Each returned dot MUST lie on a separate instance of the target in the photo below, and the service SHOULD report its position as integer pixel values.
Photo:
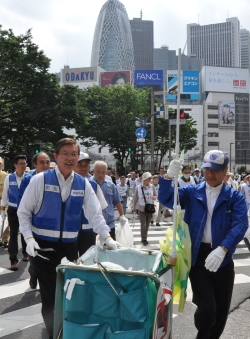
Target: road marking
(15, 288)
(241, 279)
(241, 262)
(21, 319)
(5, 271)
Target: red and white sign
(225, 80)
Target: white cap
(197, 170)
(146, 175)
(84, 156)
(215, 159)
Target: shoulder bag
(149, 208)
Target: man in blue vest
(50, 217)
(10, 198)
(41, 162)
(86, 236)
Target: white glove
(112, 243)
(32, 245)
(174, 168)
(214, 259)
(3, 214)
(123, 220)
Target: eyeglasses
(210, 170)
(66, 155)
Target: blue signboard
(190, 87)
(140, 133)
(148, 77)
(190, 81)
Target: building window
(212, 116)
(213, 135)
(212, 107)
(212, 125)
(213, 143)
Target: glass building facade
(112, 47)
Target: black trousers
(85, 240)
(13, 242)
(212, 293)
(45, 271)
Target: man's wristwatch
(224, 249)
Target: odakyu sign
(148, 77)
(74, 75)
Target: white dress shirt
(212, 194)
(33, 197)
(5, 196)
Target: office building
(112, 47)
(143, 42)
(245, 48)
(215, 44)
(226, 113)
(165, 60)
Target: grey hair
(100, 163)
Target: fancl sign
(145, 77)
(77, 75)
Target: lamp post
(235, 143)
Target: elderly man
(111, 195)
(217, 218)
(86, 236)
(50, 215)
(41, 162)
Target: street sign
(140, 140)
(140, 133)
(174, 121)
(160, 112)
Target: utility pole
(152, 131)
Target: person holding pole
(217, 218)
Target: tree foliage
(33, 107)
(111, 116)
(112, 113)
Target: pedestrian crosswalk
(20, 306)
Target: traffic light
(37, 148)
(184, 115)
(172, 114)
(129, 147)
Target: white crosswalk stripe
(23, 318)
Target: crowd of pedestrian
(60, 208)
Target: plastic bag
(124, 235)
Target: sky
(64, 29)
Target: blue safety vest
(85, 223)
(13, 191)
(56, 219)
